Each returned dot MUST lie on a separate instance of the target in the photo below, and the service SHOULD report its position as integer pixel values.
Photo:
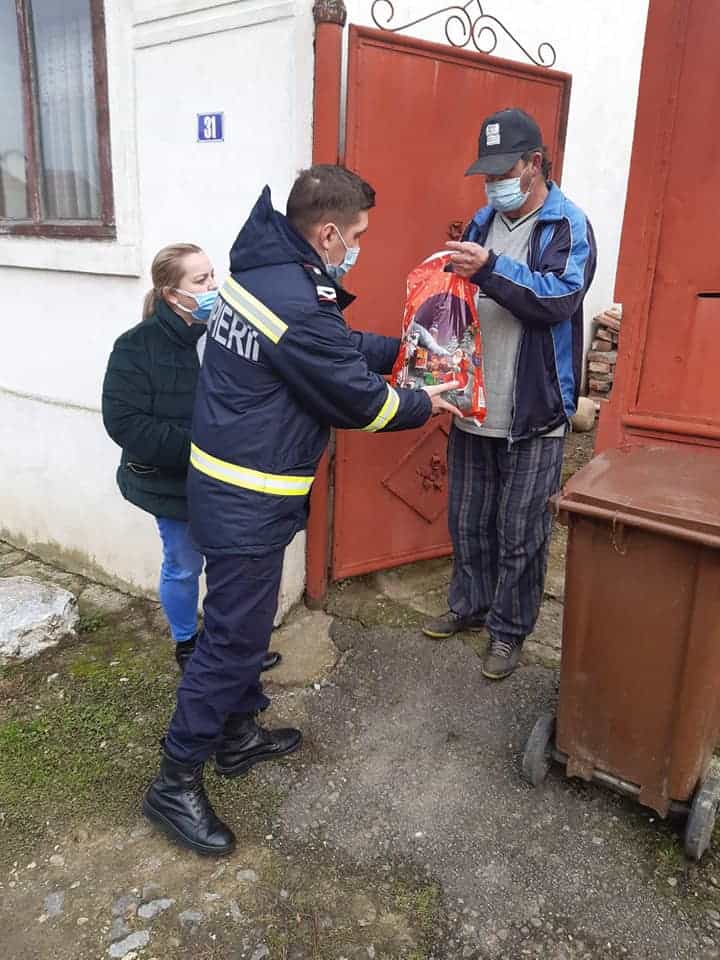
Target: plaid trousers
(500, 527)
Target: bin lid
(677, 487)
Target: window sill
(166, 21)
(78, 230)
(104, 257)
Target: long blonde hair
(166, 271)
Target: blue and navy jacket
(280, 369)
(546, 295)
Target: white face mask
(338, 270)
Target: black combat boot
(271, 659)
(176, 802)
(183, 652)
(245, 743)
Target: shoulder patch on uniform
(312, 269)
(328, 294)
(325, 292)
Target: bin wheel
(701, 821)
(537, 757)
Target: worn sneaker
(502, 658)
(451, 623)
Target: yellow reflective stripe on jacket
(276, 484)
(255, 312)
(387, 412)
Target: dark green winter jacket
(147, 406)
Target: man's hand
(438, 404)
(467, 258)
(426, 340)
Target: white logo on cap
(492, 134)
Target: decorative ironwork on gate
(465, 24)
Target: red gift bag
(441, 339)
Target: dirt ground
(402, 829)
(578, 452)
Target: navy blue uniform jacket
(280, 369)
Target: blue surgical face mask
(205, 302)
(338, 270)
(506, 195)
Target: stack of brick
(602, 355)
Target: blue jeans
(179, 578)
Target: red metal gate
(413, 115)
(669, 271)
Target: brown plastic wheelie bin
(639, 704)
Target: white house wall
(167, 61)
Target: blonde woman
(147, 405)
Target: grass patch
(422, 905)
(363, 604)
(670, 857)
(91, 621)
(84, 751)
(323, 917)
(84, 747)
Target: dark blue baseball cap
(504, 138)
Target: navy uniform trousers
(500, 527)
(223, 674)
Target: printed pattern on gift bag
(441, 339)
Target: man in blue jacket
(280, 369)
(532, 254)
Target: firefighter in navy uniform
(280, 369)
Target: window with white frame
(55, 174)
